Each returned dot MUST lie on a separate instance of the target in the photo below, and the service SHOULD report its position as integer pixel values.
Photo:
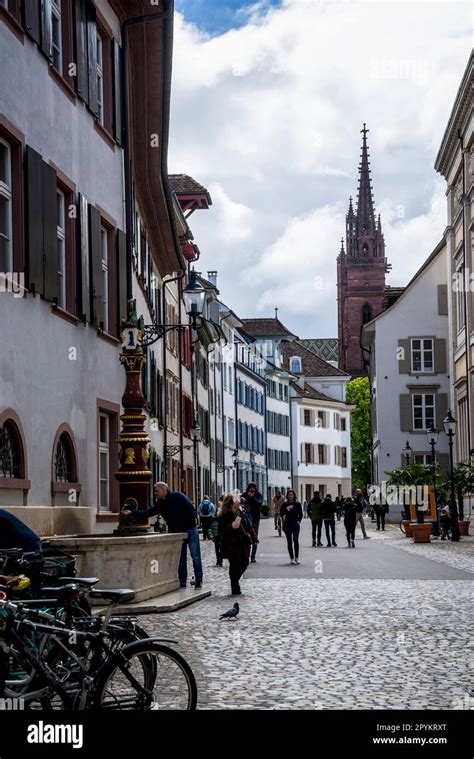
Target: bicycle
(279, 525)
(104, 678)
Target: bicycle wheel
(402, 527)
(125, 683)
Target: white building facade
(406, 349)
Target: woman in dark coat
(292, 514)
(236, 539)
(350, 517)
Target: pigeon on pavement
(231, 613)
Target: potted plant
(463, 481)
(264, 510)
(408, 476)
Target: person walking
(254, 501)
(316, 516)
(338, 505)
(360, 504)
(350, 516)
(277, 502)
(180, 516)
(329, 511)
(380, 511)
(292, 514)
(305, 509)
(214, 535)
(236, 538)
(206, 512)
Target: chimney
(212, 278)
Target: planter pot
(407, 527)
(464, 526)
(421, 532)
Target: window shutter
(443, 459)
(404, 357)
(442, 300)
(441, 401)
(80, 49)
(96, 279)
(327, 454)
(83, 261)
(92, 57)
(46, 28)
(122, 276)
(406, 421)
(440, 355)
(34, 218)
(50, 233)
(117, 85)
(32, 19)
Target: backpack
(205, 509)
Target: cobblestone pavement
(459, 555)
(308, 643)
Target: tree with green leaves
(358, 395)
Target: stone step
(168, 602)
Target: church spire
(365, 203)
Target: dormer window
(295, 364)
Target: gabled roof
(266, 328)
(182, 184)
(424, 265)
(310, 392)
(311, 364)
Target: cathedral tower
(361, 270)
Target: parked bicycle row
(56, 654)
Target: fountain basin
(147, 564)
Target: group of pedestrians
(321, 511)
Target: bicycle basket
(58, 564)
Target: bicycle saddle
(62, 593)
(113, 595)
(88, 581)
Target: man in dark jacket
(15, 534)
(180, 516)
(316, 516)
(360, 504)
(254, 502)
(329, 512)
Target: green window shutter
(122, 276)
(50, 233)
(46, 29)
(32, 19)
(34, 219)
(443, 300)
(84, 292)
(406, 421)
(440, 356)
(404, 357)
(441, 409)
(91, 26)
(95, 267)
(443, 459)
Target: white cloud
(268, 118)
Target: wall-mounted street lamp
(194, 296)
(450, 430)
(196, 437)
(235, 461)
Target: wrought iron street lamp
(450, 430)
(407, 452)
(432, 435)
(194, 296)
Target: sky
(268, 100)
